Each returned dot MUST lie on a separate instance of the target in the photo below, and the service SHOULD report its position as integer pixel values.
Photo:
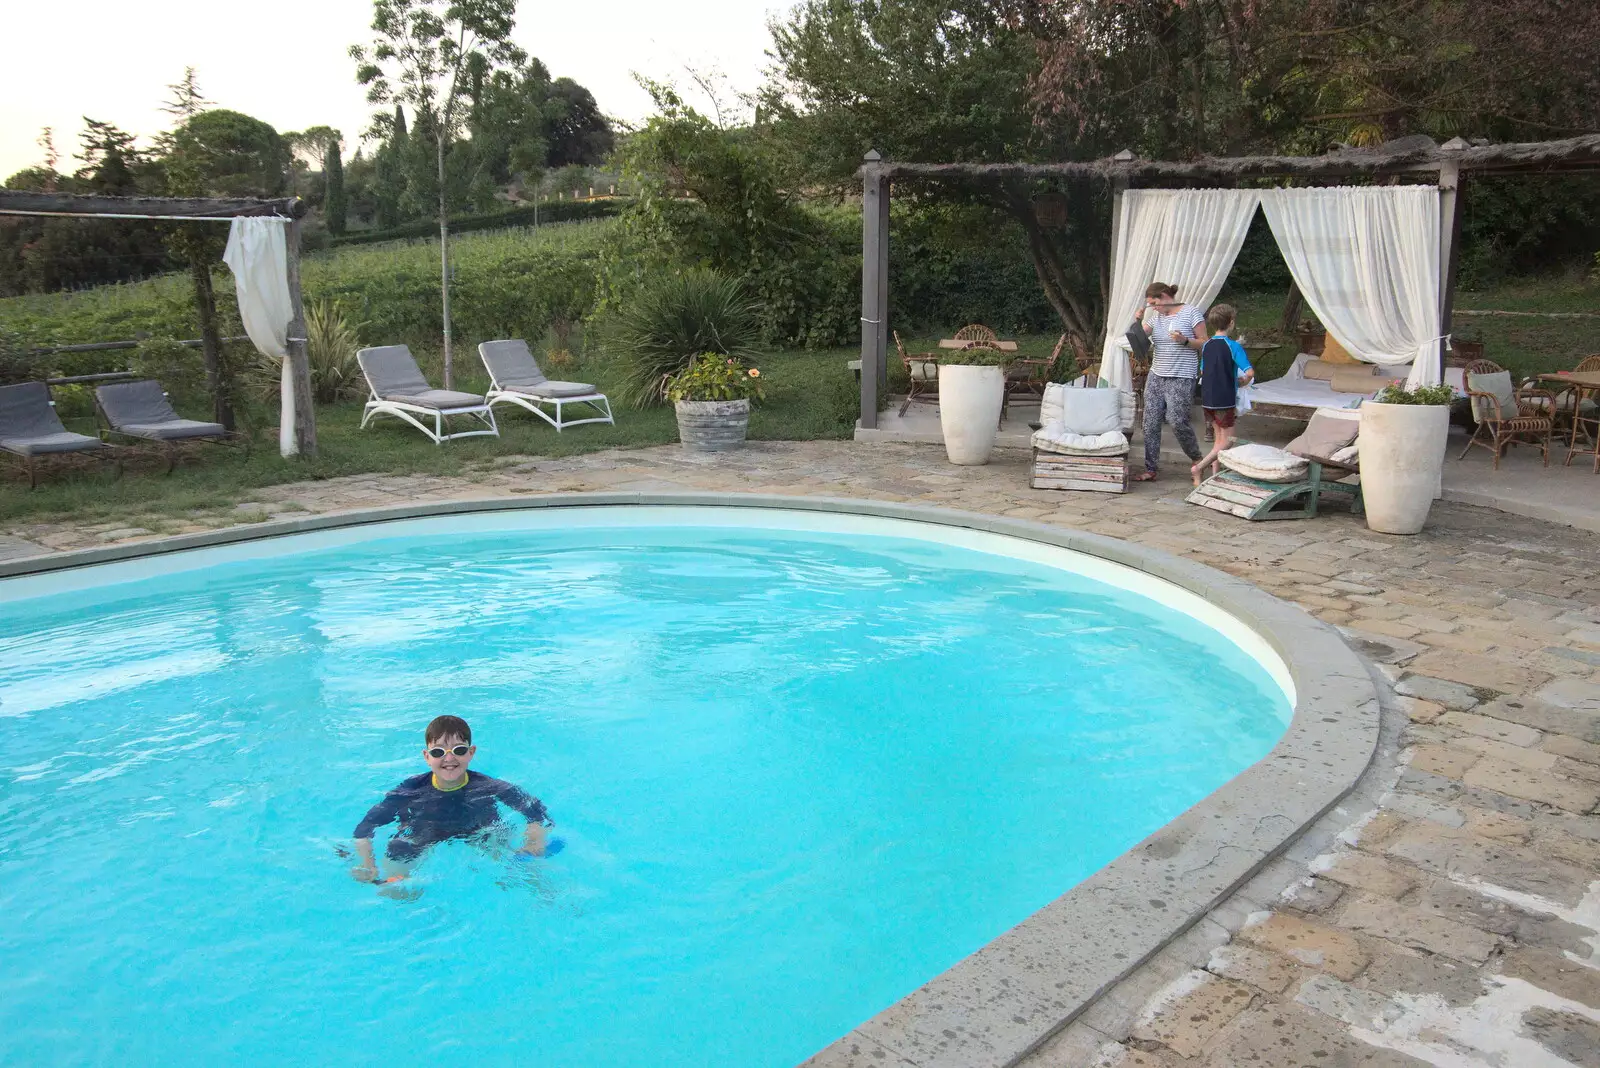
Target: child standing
(1224, 367)
(445, 802)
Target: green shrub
(331, 345)
(1437, 394)
(669, 323)
(15, 363)
(977, 356)
(714, 377)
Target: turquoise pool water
(799, 772)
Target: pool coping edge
(1001, 1003)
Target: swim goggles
(438, 751)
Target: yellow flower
(754, 373)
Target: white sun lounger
(516, 379)
(398, 389)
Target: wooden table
(1582, 383)
(952, 343)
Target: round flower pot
(969, 411)
(713, 426)
(1402, 458)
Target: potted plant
(972, 390)
(1402, 442)
(712, 399)
(1311, 337)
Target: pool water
(798, 773)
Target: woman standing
(1177, 333)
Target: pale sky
(284, 62)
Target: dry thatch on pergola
(1404, 155)
(23, 202)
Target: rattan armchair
(922, 372)
(976, 332)
(1027, 378)
(1530, 424)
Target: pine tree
(187, 100)
(335, 203)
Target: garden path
(1456, 923)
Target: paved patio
(1454, 920)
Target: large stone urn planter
(1402, 459)
(713, 426)
(970, 397)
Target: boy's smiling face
(450, 767)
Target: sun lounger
(30, 429)
(515, 378)
(1262, 482)
(140, 411)
(398, 389)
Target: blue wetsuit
(428, 814)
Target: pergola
(1415, 156)
(208, 210)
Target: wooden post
(305, 415)
(872, 288)
(1449, 232)
(1119, 186)
(883, 287)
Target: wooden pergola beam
(21, 202)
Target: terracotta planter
(1312, 341)
(970, 398)
(1402, 458)
(713, 426)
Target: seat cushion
(1053, 437)
(174, 430)
(439, 398)
(65, 441)
(1334, 352)
(1317, 370)
(1356, 380)
(1264, 462)
(548, 388)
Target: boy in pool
(444, 803)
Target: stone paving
(1453, 923)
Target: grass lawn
(810, 395)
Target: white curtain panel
(1187, 237)
(1367, 261)
(258, 256)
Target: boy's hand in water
(364, 873)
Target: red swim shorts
(1222, 417)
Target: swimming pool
(802, 763)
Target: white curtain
(258, 256)
(1188, 237)
(1367, 261)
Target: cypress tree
(334, 204)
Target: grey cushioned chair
(30, 429)
(516, 379)
(398, 389)
(140, 411)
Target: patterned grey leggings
(1171, 399)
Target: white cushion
(1091, 411)
(1264, 462)
(1056, 438)
(1052, 408)
(1347, 455)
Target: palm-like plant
(675, 320)
(331, 345)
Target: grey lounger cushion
(29, 426)
(141, 410)
(393, 374)
(437, 398)
(516, 371)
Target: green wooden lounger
(1253, 498)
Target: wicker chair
(1027, 378)
(976, 332)
(922, 373)
(1530, 424)
(1583, 414)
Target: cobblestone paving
(1455, 926)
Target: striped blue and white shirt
(1168, 358)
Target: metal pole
(883, 287)
(871, 289)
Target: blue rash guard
(428, 814)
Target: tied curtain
(1367, 261)
(258, 256)
(1187, 237)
